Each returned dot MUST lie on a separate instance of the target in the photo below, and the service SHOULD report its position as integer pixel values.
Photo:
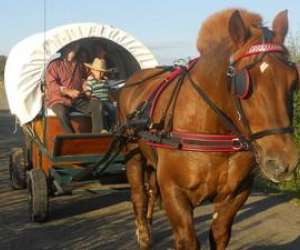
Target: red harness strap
(162, 86)
(201, 142)
(165, 83)
(257, 49)
(208, 142)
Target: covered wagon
(51, 159)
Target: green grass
(292, 187)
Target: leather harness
(162, 135)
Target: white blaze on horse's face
(263, 67)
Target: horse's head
(263, 79)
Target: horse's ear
(237, 29)
(280, 27)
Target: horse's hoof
(145, 245)
(144, 240)
(145, 248)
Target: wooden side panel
(81, 124)
(35, 156)
(77, 146)
(39, 161)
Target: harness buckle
(180, 62)
(238, 144)
(231, 71)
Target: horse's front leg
(179, 211)
(152, 192)
(224, 213)
(135, 175)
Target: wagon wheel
(37, 195)
(17, 169)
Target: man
(64, 79)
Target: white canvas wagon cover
(25, 65)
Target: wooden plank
(82, 145)
(81, 124)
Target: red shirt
(62, 73)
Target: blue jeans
(90, 107)
(110, 109)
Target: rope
(165, 69)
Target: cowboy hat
(98, 64)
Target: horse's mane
(214, 31)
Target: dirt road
(103, 219)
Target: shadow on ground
(104, 220)
(293, 245)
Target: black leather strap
(223, 117)
(273, 131)
(164, 70)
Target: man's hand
(72, 93)
(86, 89)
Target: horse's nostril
(271, 164)
(276, 167)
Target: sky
(167, 27)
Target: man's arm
(52, 80)
(87, 87)
(54, 85)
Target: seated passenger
(64, 79)
(101, 52)
(96, 87)
(83, 55)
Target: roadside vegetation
(2, 65)
(294, 48)
(3, 104)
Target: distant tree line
(2, 65)
(294, 47)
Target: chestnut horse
(234, 43)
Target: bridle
(261, 50)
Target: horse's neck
(198, 115)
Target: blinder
(267, 34)
(241, 84)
